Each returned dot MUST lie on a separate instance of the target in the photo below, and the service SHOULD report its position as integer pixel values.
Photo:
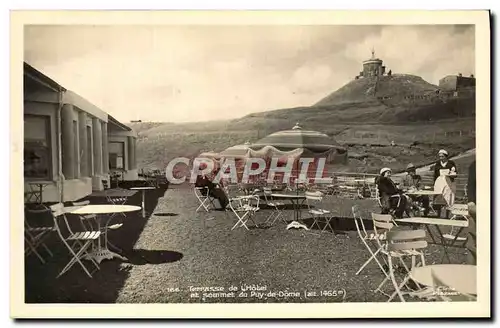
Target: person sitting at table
(413, 181)
(391, 197)
(214, 190)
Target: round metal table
(460, 277)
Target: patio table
(102, 251)
(461, 224)
(40, 185)
(143, 197)
(459, 277)
(423, 192)
(294, 199)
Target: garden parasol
(308, 143)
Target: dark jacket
(437, 167)
(387, 186)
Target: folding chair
(315, 198)
(400, 245)
(35, 236)
(117, 200)
(203, 196)
(77, 243)
(458, 212)
(371, 238)
(276, 205)
(244, 208)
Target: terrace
(176, 249)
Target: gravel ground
(178, 256)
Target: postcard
(250, 164)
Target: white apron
(447, 188)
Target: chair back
(406, 240)
(82, 203)
(267, 191)
(313, 197)
(57, 209)
(382, 221)
(358, 220)
(459, 209)
(57, 213)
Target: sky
(200, 73)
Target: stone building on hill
(372, 67)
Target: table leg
(41, 199)
(443, 242)
(102, 252)
(143, 207)
(431, 234)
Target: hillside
(366, 89)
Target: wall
(448, 83)
(371, 68)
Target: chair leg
(76, 258)
(33, 250)
(405, 280)
(394, 283)
(372, 257)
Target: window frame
(48, 139)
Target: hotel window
(116, 155)
(37, 150)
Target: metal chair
(312, 199)
(77, 243)
(458, 212)
(276, 205)
(400, 245)
(371, 238)
(35, 236)
(244, 208)
(203, 196)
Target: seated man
(391, 197)
(413, 181)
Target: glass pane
(35, 128)
(36, 161)
(116, 148)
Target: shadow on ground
(166, 214)
(144, 256)
(41, 284)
